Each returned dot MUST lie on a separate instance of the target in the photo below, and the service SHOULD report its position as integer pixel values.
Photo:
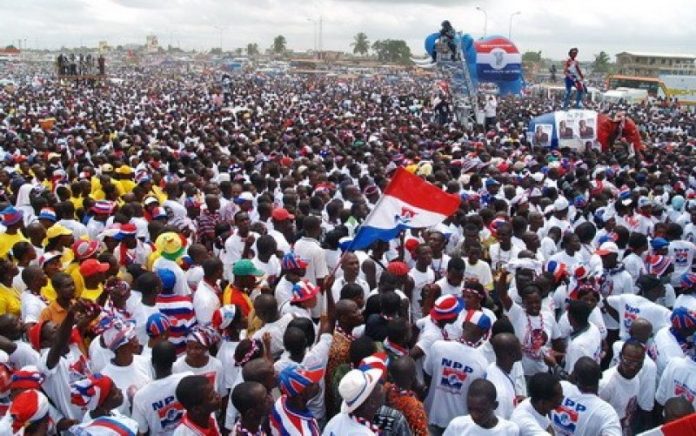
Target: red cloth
(606, 126)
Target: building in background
(642, 64)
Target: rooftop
(657, 55)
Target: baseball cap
(91, 267)
(48, 214)
(560, 204)
(282, 214)
(84, 249)
(303, 291)
(447, 307)
(478, 318)
(118, 334)
(157, 324)
(292, 261)
(607, 248)
(659, 243)
(356, 386)
(244, 196)
(167, 277)
(103, 207)
(107, 168)
(295, 378)
(246, 267)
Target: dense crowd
(175, 258)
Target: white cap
(607, 248)
(560, 204)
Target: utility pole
(321, 37)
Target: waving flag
(408, 202)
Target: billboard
(681, 87)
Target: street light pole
(485, 20)
(510, 28)
(314, 30)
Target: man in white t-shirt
(582, 412)
(678, 380)
(155, 406)
(627, 307)
(506, 373)
(450, 368)
(350, 265)
(585, 339)
(309, 249)
(482, 419)
(266, 308)
(620, 385)
(206, 299)
(421, 274)
(680, 251)
(532, 414)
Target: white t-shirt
(140, 315)
(465, 426)
(194, 276)
(230, 371)
(343, 425)
(678, 380)
(686, 300)
(618, 283)
(447, 289)
(23, 355)
(507, 386)
(310, 250)
(70, 368)
(341, 282)
(180, 286)
(480, 271)
(99, 356)
(535, 340)
(281, 241)
(156, 408)
(647, 377)
(584, 415)
(531, 422)
(594, 318)
(31, 307)
(277, 330)
(129, 379)
(588, 343)
(621, 393)
(453, 366)
(631, 307)
(211, 370)
(420, 279)
(634, 265)
(663, 349)
(205, 302)
(682, 254)
(439, 266)
(283, 291)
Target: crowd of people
(80, 64)
(175, 258)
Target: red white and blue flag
(408, 202)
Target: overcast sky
(548, 25)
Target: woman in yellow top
(10, 302)
(51, 264)
(82, 250)
(13, 220)
(60, 239)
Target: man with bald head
(481, 398)
(506, 373)
(350, 266)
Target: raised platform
(80, 77)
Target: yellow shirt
(79, 282)
(92, 294)
(77, 202)
(126, 185)
(9, 301)
(7, 241)
(48, 292)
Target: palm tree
(360, 44)
(252, 49)
(279, 44)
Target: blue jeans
(569, 84)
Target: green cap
(245, 267)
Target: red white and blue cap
(48, 214)
(479, 319)
(657, 264)
(292, 261)
(90, 393)
(125, 231)
(558, 269)
(295, 378)
(84, 249)
(118, 334)
(27, 408)
(103, 207)
(379, 360)
(159, 213)
(106, 426)
(204, 335)
(223, 317)
(447, 307)
(303, 291)
(683, 318)
(142, 176)
(157, 324)
(688, 280)
(11, 216)
(29, 377)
